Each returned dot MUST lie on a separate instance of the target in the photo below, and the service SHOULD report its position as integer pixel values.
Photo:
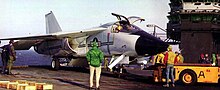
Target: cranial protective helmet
(169, 48)
(11, 41)
(95, 42)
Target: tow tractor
(189, 74)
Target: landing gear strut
(119, 71)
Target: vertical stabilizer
(52, 25)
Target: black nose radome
(148, 44)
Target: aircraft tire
(188, 77)
(55, 64)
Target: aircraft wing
(59, 35)
(83, 33)
(24, 43)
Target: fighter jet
(121, 38)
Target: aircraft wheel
(55, 64)
(188, 77)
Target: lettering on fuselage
(201, 73)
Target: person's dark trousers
(4, 66)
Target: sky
(27, 17)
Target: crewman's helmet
(119, 27)
(95, 42)
(169, 48)
(11, 41)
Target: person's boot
(97, 88)
(9, 72)
(166, 85)
(3, 72)
(173, 85)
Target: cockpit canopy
(116, 28)
(125, 24)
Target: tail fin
(52, 25)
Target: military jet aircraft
(121, 38)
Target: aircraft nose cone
(150, 46)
